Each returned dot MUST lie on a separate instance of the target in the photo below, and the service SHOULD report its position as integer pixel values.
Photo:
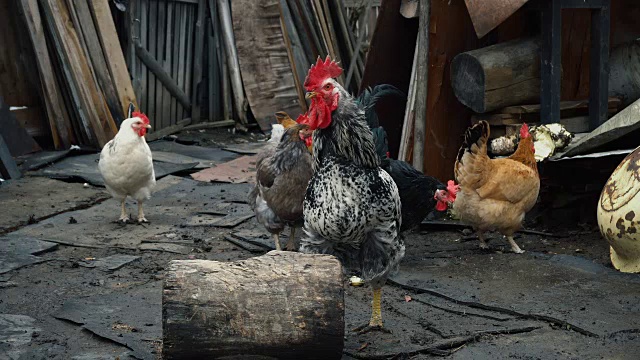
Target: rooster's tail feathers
(475, 139)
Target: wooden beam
(422, 72)
(114, 56)
(550, 62)
(179, 126)
(162, 75)
(599, 67)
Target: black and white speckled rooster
(352, 206)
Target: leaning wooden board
(262, 55)
(115, 58)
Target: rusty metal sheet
(240, 170)
(486, 15)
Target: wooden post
(283, 305)
(599, 67)
(550, 62)
(421, 86)
(224, 12)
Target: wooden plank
(214, 66)
(168, 56)
(409, 114)
(550, 62)
(178, 126)
(229, 31)
(162, 75)
(159, 57)
(115, 58)
(182, 45)
(86, 94)
(422, 72)
(599, 68)
(267, 89)
(304, 12)
(100, 68)
(189, 57)
(56, 111)
(197, 62)
(224, 76)
(178, 13)
(144, 30)
(151, 48)
(297, 58)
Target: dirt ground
(560, 300)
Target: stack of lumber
(86, 88)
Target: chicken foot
(516, 249)
(291, 243)
(141, 218)
(124, 217)
(276, 239)
(483, 242)
(375, 324)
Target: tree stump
(497, 76)
(282, 305)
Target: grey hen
(283, 171)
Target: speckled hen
(352, 207)
(283, 171)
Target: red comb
(140, 115)
(303, 119)
(524, 131)
(321, 71)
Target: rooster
(283, 171)
(126, 165)
(419, 194)
(352, 206)
(495, 194)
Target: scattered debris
(109, 263)
(241, 170)
(356, 281)
(19, 251)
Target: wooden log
(281, 305)
(500, 75)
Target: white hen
(126, 164)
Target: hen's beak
(311, 94)
(148, 126)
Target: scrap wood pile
(84, 80)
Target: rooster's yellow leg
(141, 217)
(516, 249)
(291, 244)
(276, 238)
(375, 324)
(376, 310)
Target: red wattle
(441, 206)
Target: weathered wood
(180, 124)
(421, 86)
(487, 15)
(261, 53)
(409, 114)
(166, 63)
(500, 75)
(283, 305)
(180, 58)
(197, 62)
(115, 58)
(162, 76)
(233, 60)
(550, 60)
(56, 110)
(599, 67)
(297, 58)
(98, 60)
(188, 78)
(161, 116)
(152, 42)
(143, 25)
(87, 97)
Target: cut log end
(467, 79)
(280, 305)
